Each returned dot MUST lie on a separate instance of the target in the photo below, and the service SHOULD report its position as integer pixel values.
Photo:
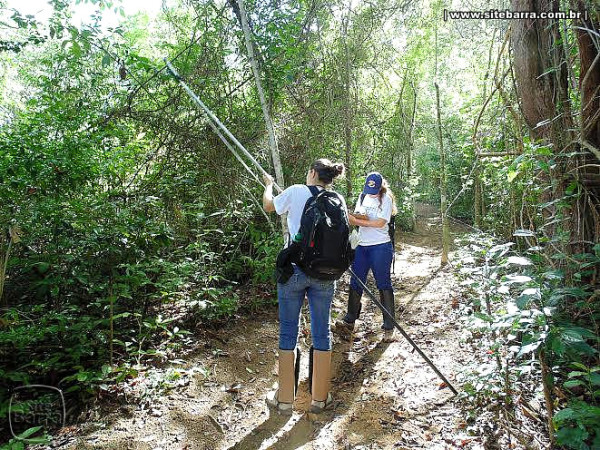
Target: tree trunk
(477, 200)
(443, 202)
(347, 109)
(263, 102)
(409, 157)
(548, 387)
(589, 81)
(533, 69)
(3, 267)
(542, 85)
(482, 205)
(586, 221)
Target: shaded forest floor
(385, 395)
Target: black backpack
(324, 242)
(391, 231)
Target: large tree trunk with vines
(534, 67)
(540, 66)
(542, 85)
(587, 225)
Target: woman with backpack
(373, 212)
(292, 290)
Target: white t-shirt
(371, 207)
(292, 201)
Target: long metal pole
(406, 336)
(214, 120)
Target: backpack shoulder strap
(314, 194)
(313, 190)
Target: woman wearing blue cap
(373, 212)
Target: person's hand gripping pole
(268, 204)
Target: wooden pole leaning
(216, 124)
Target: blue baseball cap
(373, 183)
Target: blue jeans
(377, 258)
(291, 296)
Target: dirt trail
(385, 396)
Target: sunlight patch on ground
(410, 262)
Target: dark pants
(377, 258)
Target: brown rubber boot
(283, 398)
(321, 375)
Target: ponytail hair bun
(339, 169)
(327, 170)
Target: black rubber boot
(296, 371)
(354, 307)
(310, 368)
(345, 327)
(387, 300)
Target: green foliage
(578, 426)
(523, 311)
(586, 377)
(261, 260)
(125, 241)
(25, 438)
